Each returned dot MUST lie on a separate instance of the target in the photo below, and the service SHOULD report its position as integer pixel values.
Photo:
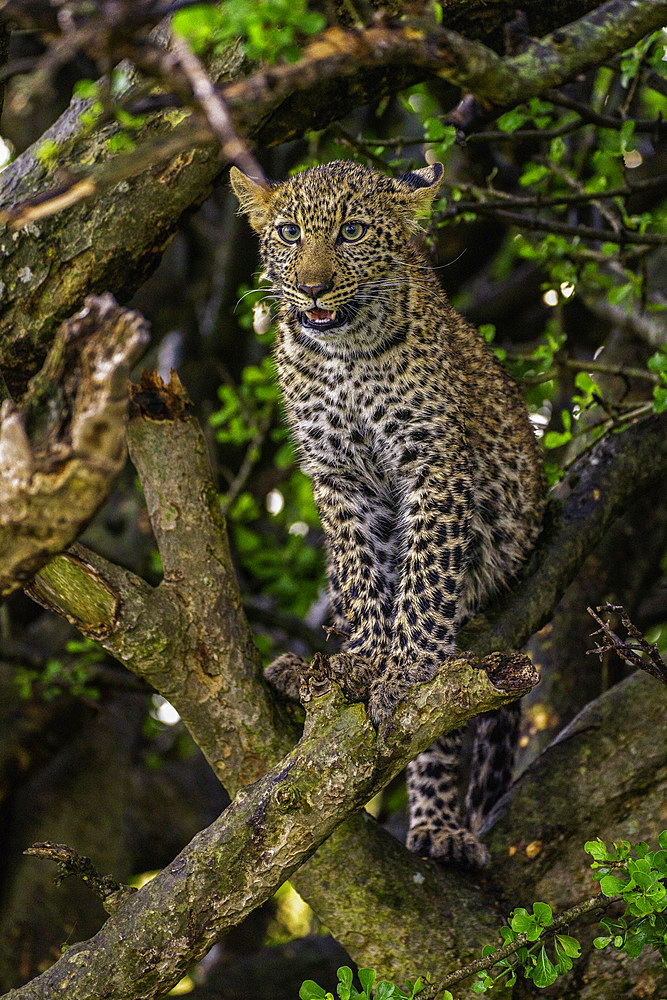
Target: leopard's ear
(254, 198)
(418, 188)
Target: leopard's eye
(289, 232)
(352, 231)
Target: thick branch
(266, 834)
(62, 448)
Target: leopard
(425, 467)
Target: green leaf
(311, 991)
(545, 973)
(512, 120)
(554, 439)
(344, 988)
(584, 382)
(597, 849)
(619, 293)
(525, 923)
(387, 991)
(634, 945)
(533, 173)
(367, 978)
(570, 945)
(601, 942)
(543, 914)
(435, 128)
(610, 885)
(658, 362)
(563, 961)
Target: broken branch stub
(63, 445)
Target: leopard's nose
(312, 291)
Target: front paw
(355, 674)
(448, 843)
(399, 676)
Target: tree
(554, 153)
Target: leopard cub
(424, 465)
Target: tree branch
(640, 653)
(111, 893)
(62, 448)
(267, 832)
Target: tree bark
(61, 450)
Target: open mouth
(323, 319)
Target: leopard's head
(333, 238)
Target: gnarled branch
(62, 448)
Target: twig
(232, 147)
(635, 652)
(111, 893)
(506, 200)
(532, 222)
(592, 117)
(583, 365)
(482, 964)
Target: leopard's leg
(434, 524)
(360, 529)
(436, 825)
(432, 599)
(493, 756)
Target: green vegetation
(533, 948)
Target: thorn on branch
(111, 893)
(635, 648)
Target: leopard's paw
(448, 843)
(284, 675)
(398, 677)
(355, 674)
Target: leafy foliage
(370, 990)
(639, 877)
(62, 677)
(268, 29)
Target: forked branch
(635, 648)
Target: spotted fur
(424, 464)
